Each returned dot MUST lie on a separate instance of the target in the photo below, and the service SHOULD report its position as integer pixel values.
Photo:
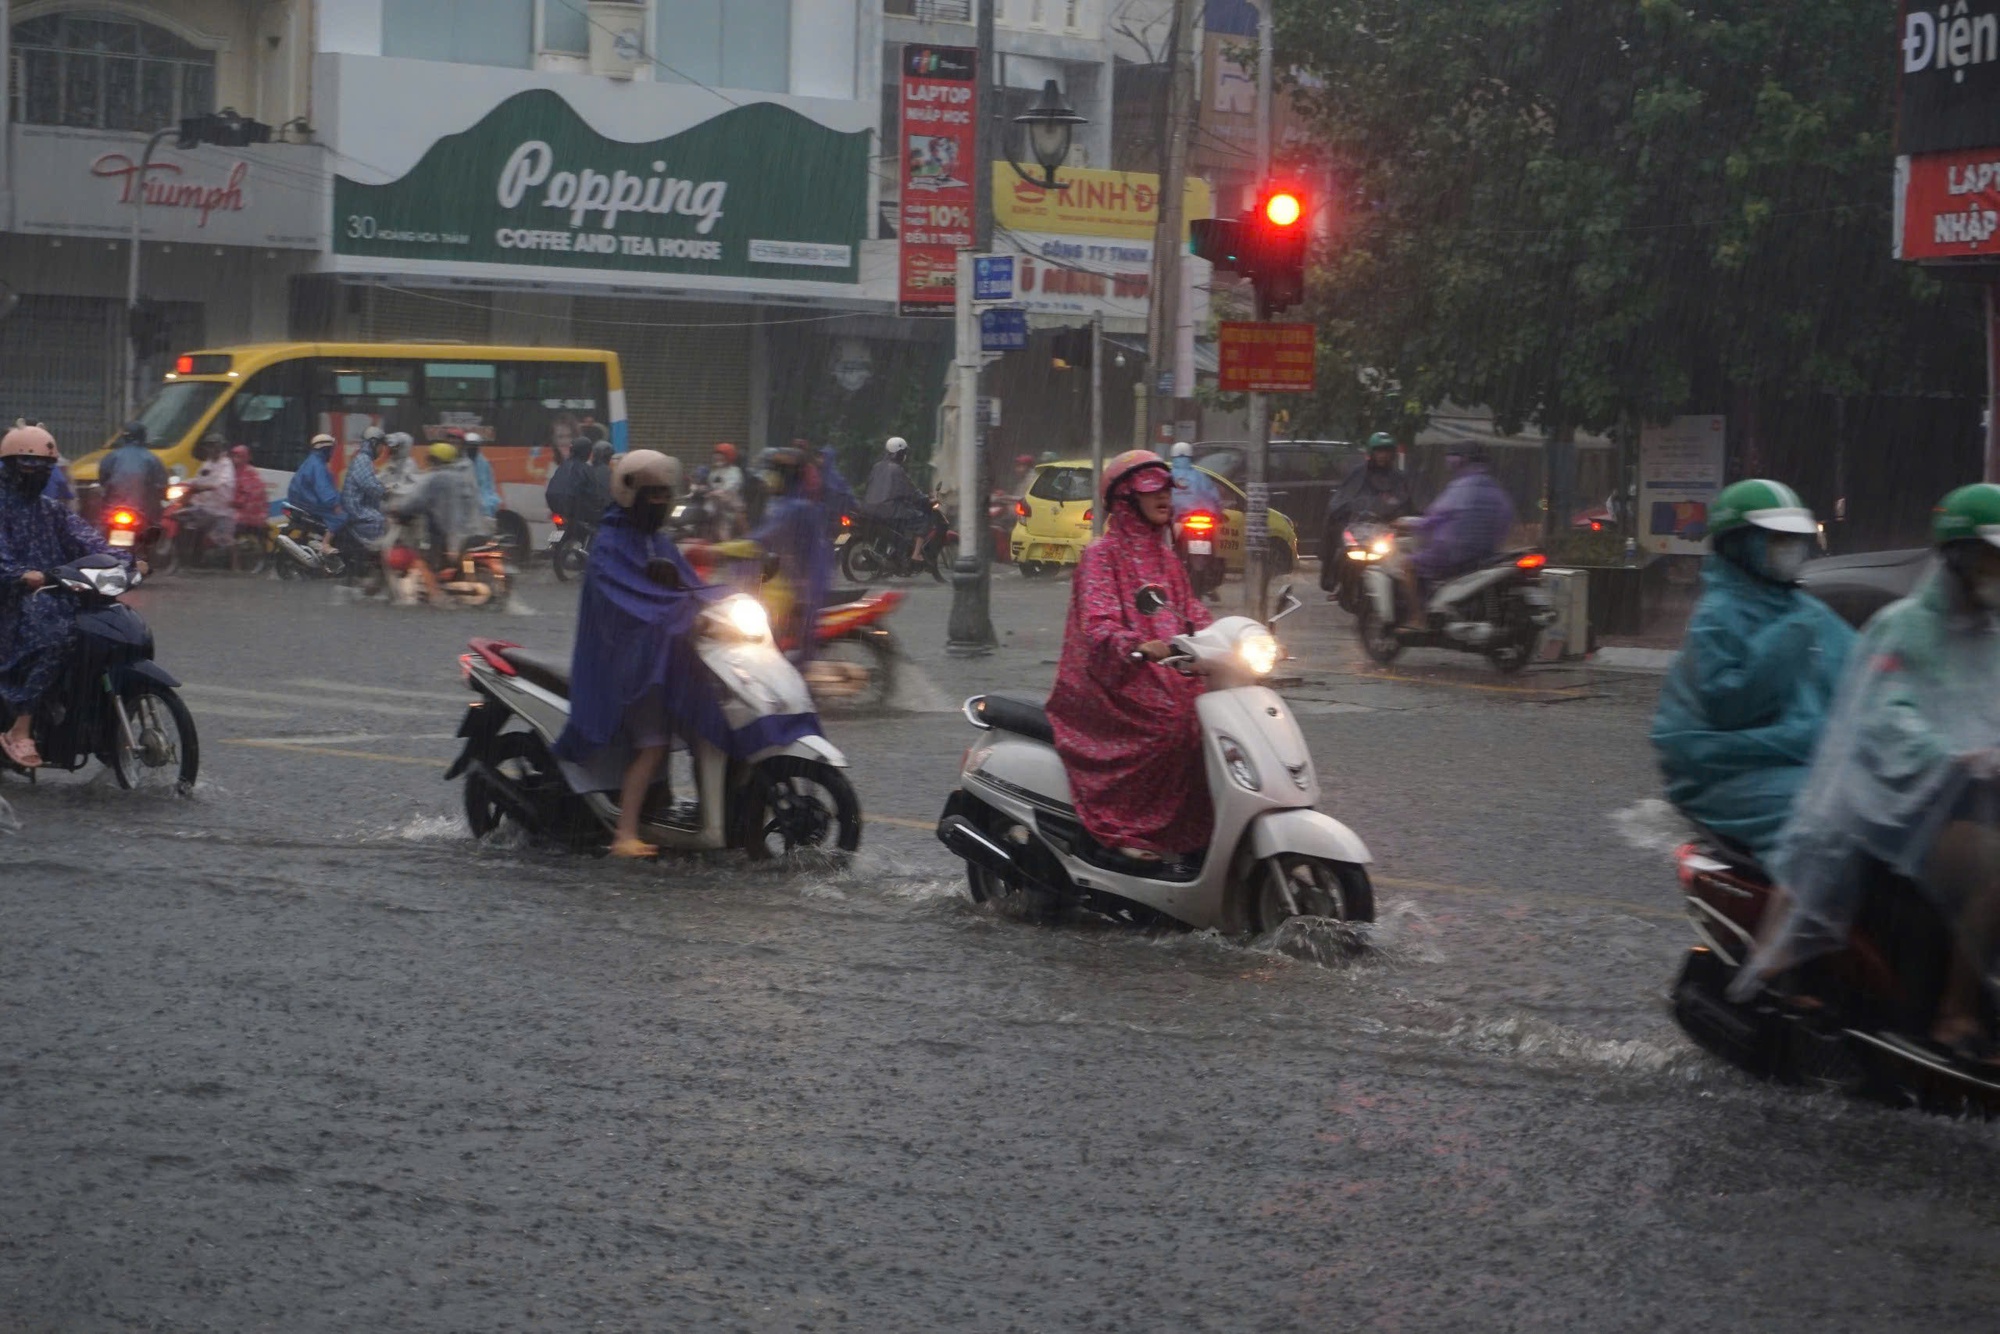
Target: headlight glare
(1259, 652)
(746, 616)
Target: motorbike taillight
(1199, 522)
(556, 519)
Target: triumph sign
(759, 191)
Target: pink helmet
(1130, 462)
(28, 440)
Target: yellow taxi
(1053, 521)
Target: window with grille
(99, 70)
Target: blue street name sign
(993, 278)
(1003, 330)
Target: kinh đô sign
(756, 192)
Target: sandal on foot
(636, 849)
(21, 751)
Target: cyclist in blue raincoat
(1741, 713)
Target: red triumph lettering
(204, 199)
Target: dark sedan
(1860, 585)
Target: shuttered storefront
(687, 369)
(389, 315)
(65, 356)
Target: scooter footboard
(1308, 833)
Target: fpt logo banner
(1949, 92)
(757, 192)
(936, 142)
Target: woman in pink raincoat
(1127, 730)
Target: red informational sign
(940, 165)
(1266, 358)
(1949, 206)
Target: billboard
(938, 149)
(1949, 94)
(1680, 471)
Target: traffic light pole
(1257, 489)
(1097, 416)
(969, 633)
(135, 357)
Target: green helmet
(1968, 514)
(1381, 440)
(1758, 502)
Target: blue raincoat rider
(131, 476)
(36, 629)
(1193, 488)
(794, 530)
(482, 472)
(313, 489)
(637, 683)
(1742, 711)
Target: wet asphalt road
(297, 1055)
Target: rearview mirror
(1287, 604)
(1150, 599)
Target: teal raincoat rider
(1742, 711)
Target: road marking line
(344, 739)
(298, 701)
(1541, 692)
(426, 761)
(210, 709)
(928, 826)
(389, 692)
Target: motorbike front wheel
(162, 751)
(943, 560)
(1378, 640)
(1292, 884)
(793, 804)
(570, 559)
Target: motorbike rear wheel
(522, 759)
(863, 562)
(570, 559)
(874, 655)
(942, 561)
(793, 804)
(1519, 650)
(164, 750)
(1293, 885)
(1380, 642)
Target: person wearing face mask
(1127, 730)
(313, 489)
(635, 684)
(1742, 710)
(36, 535)
(1907, 778)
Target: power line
(424, 295)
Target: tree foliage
(1577, 211)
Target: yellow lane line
(927, 826)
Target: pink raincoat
(1127, 731)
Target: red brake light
(124, 519)
(847, 521)
(1199, 522)
(1596, 527)
(556, 519)
(1020, 509)
(1090, 515)
(183, 365)
(1534, 560)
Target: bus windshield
(172, 412)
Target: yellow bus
(275, 397)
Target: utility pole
(970, 632)
(135, 356)
(1257, 489)
(1163, 308)
(1097, 415)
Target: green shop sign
(757, 192)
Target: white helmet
(639, 469)
(1181, 450)
(896, 447)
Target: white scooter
(1272, 856)
(785, 798)
(1499, 609)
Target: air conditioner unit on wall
(617, 37)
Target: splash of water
(1652, 825)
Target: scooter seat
(841, 597)
(1019, 714)
(544, 672)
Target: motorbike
(569, 546)
(480, 577)
(789, 798)
(854, 654)
(182, 543)
(1198, 542)
(126, 529)
(112, 702)
(1499, 609)
(1871, 1002)
(1361, 544)
(876, 549)
(1272, 858)
(302, 550)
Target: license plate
(1201, 548)
(123, 537)
(1535, 597)
(555, 538)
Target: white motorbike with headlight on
(1273, 856)
(786, 798)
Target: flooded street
(299, 1051)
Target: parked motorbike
(569, 546)
(302, 550)
(1871, 1003)
(1360, 545)
(1198, 542)
(112, 702)
(1499, 609)
(788, 798)
(1272, 857)
(876, 550)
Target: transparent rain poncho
(1890, 785)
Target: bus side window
(547, 403)
(269, 415)
(459, 393)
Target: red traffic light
(1283, 209)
